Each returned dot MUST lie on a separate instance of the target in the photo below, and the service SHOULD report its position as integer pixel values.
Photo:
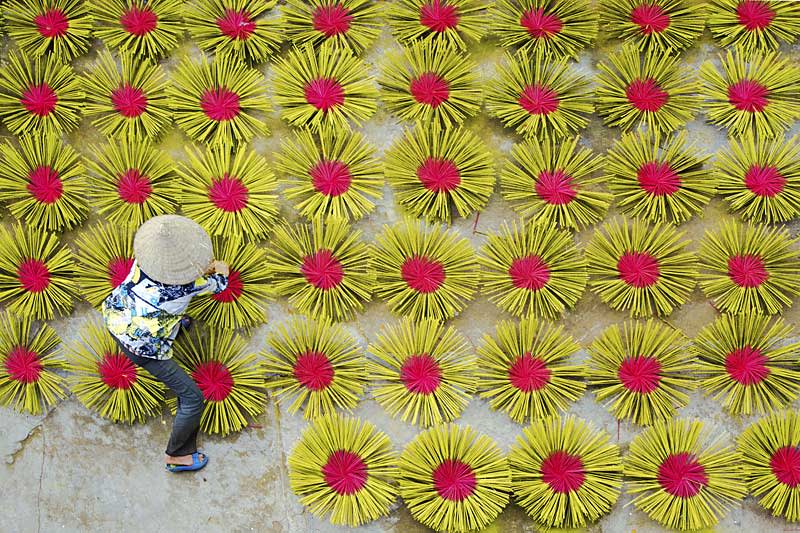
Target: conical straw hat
(172, 249)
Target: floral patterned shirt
(145, 315)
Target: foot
(183, 460)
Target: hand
(220, 267)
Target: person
(173, 262)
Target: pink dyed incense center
(422, 274)
(651, 18)
(638, 269)
(640, 374)
(555, 187)
(118, 269)
(438, 16)
(421, 374)
(332, 19)
(764, 181)
(117, 371)
(785, 465)
(45, 185)
(129, 101)
(540, 24)
(454, 480)
(322, 270)
(345, 472)
(563, 472)
(682, 475)
(747, 270)
(133, 187)
(228, 193)
(430, 89)
(324, 94)
(538, 99)
(529, 373)
(39, 100)
(52, 23)
(214, 380)
(330, 177)
(754, 14)
(220, 104)
(748, 95)
(313, 370)
(439, 175)
(646, 95)
(236, 25)
(529, 272)
(658, 178)
(233, 291)
(747, 366)
(23, 365)
(33, 275)
(139, 21)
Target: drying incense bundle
(422, 371)
(659, 26)
(59, 29)
(757, 26)
(456, 22)
(105, 258)
(352, 24)
(146, 28)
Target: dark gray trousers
(183, 440)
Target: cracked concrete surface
(69, 470)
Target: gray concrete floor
(69, 470)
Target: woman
(174, 262)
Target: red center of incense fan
(538, 100)
(332, 19)
(640, 374)
(555, 187)
(130, 102)
(638, 269)
(40, 100)
(330, 177)
(746, 366)
(658, 178)
(324, 93)
(439, 175)
(529, 272)
(764, 181)
(220, 104)
(52, 23)
(45, 185)
(438, 16)
(236, 24)
(322, 270)
(422, 274)
(563, 472)
(117, 371)
(540, 24)
(345, 472)
(650, 18)
(454, 480)
(134, 187)
(139, 22)
(682, 475)
(33, 275)
(421, 374)
(646, 95)
(313, 370)
(529, 373)
(118, 270)
(747, 270)
(228, 194)
(214, 380)
(233, 291)
(754, 14)
(430, 89)
(23, 365)
(785, 464)
(748, 95)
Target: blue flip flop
(197, 464)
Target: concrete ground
(70, 470)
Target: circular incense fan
(29, 381)
(639, 268)
(43, 182)
(760, 179)
(659, 26)
(39, 96)
(324, 269)
(242, 28)
(229, 192)
(240, 305)
(132, 181)
(352, 24)
(324, 88)
(105, 258)
(430, 81)
(525, 369)
(230, 378)
(331, 174)
(220, 101)
(424, 271)
(346, 468)
(539, 96)
(564, 472)
(659, 178)
(642, 371)
(654, 89)
(749, 268)
(748, 363)
(422, 372)
(435, 171)
(315, 365)
(127, 100)
(451, 21)
(770, 451)
(532, 269)
(59, 29)
(681, 477)
(757, 26)
(558, 27)
(454, 479)
(107, 382)
(36, 274)
(550, 182)
(147, 28)
(756, 94)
